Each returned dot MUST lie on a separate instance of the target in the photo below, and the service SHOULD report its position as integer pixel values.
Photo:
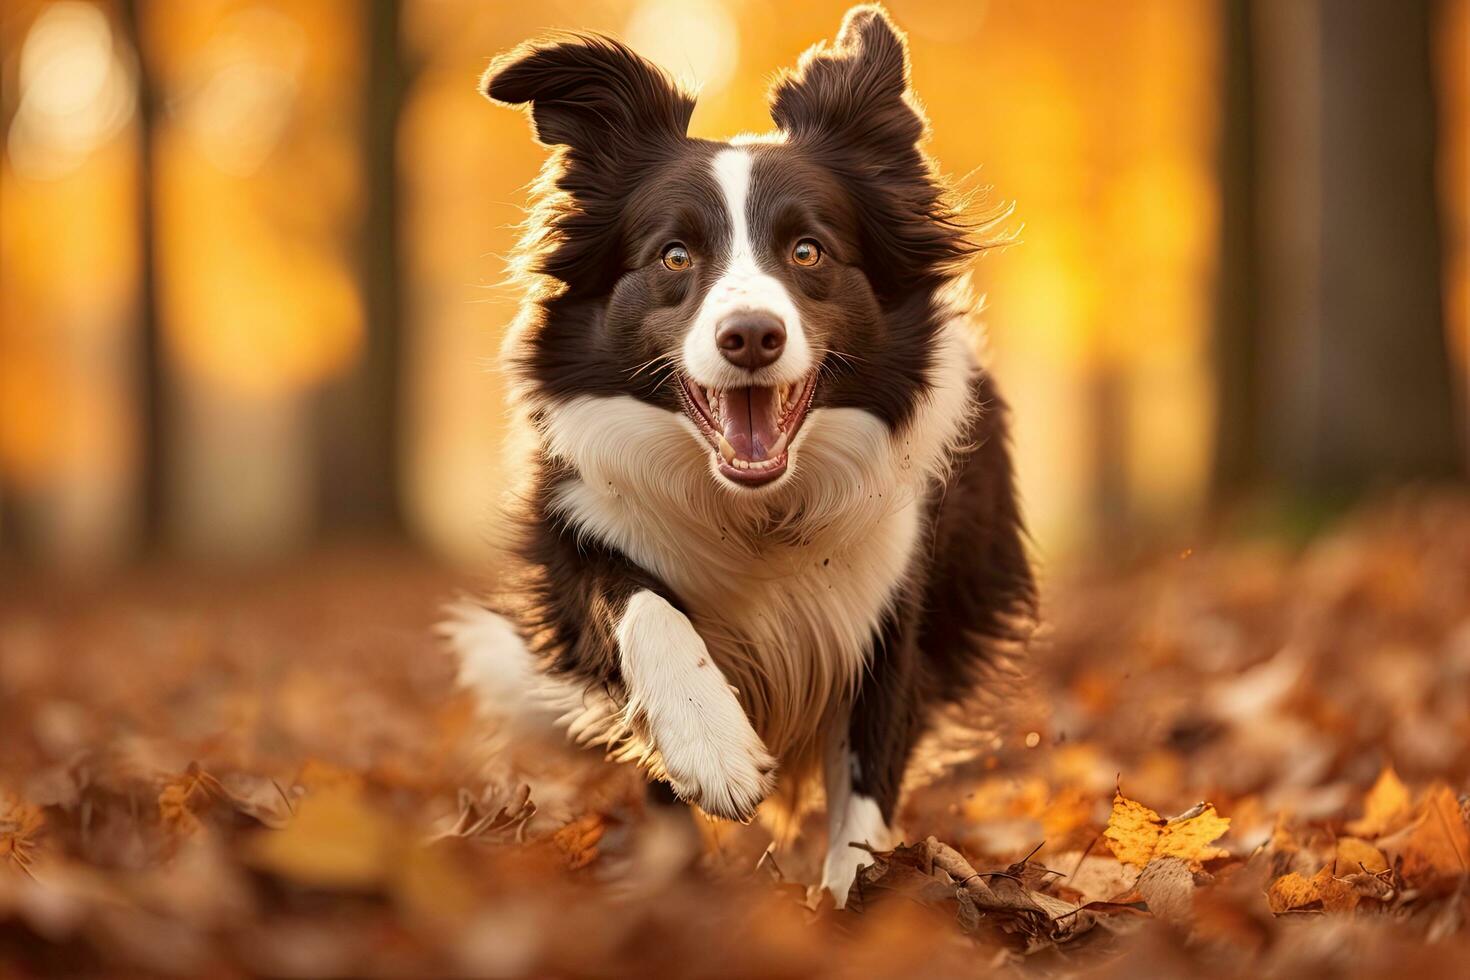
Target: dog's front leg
(866, 760)
(711, 754)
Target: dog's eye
(677, 257)
(806, 252)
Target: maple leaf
(1138, 835)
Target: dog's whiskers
(651, 363)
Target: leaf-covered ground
(1246, 759)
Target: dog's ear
(590, 93)
(849, 101)
(854, 91)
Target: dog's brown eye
(677, 257)
(806, 252)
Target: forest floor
(1244, 759)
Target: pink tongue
(750, 421)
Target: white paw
(711, 755)
(840, 870)
(713, 758)
(860, 822)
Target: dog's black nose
(751, 339)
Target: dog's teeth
(727, 450)
(778, 448)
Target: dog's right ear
(590, 93)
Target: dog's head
(745, 286)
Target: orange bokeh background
(1099, 122)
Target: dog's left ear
(854, 92)
(591, 94)
(849, 101)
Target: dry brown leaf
(1386, 807)
(1356, 855)
(1295, 892)
(1435, 846)
(1002, 899)
(1291, 891)
(1167, 885)
(907, 871)
(492, 815)
(192, 794)
(1138, 835)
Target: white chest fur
(786, 586)
(787, 608)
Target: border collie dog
(768, 527)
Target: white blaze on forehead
(742, 285)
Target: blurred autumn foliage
(272, 773)
(284, 226)
(251, 255)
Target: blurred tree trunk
(1237, 346)
(153, 382)
(1387, 406)
(1333, 360)
(358, 425)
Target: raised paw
(725, 770)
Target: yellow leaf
(1137, 834)
(1133, 831)
(1192, 839)
(335, 841)
(1385, 809)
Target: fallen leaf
(1435, 846)
(1138, 835)
(1291, 891)
(906, 871)
(1386, 807)
(1002, 899)
(1355, 855)
(1295, 892)
(335, 840)
(491, 816)
(1167, 885)
(193, 794)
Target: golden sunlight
(696, 40)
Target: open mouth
(749, 429)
